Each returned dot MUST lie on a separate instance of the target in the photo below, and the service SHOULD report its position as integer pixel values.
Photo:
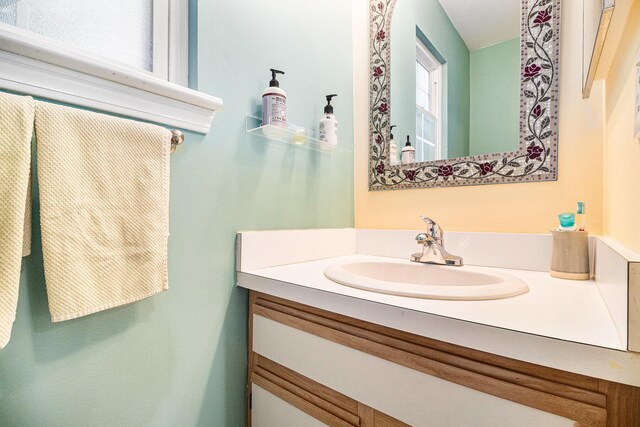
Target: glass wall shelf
(291, 134)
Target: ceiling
(486, 22)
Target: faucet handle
(431, 224)
(433, 229)
(427, 220)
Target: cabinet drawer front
(320, 402)
(409, 395)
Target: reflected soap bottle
(408, 153)
(393, 148)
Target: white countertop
(575, 326)
(555, 308)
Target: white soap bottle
(408, 153)
(329, 125)
(393, 148)
(274, 103)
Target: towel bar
(177, 138)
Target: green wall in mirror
(479, 106)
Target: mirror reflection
(455, 84)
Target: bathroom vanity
(323, 353)
(346, 331)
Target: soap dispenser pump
(393, 147)
(329, 124)
(274, 102)
(408, 153)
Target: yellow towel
(104, 200)
(16, 128)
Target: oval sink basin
(425, 280)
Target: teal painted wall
(179, 358)
(495, 98)
(431, 19)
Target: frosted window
(8, 11)
(121, 30)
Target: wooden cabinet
(339, 371)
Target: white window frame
(39, 66)
(434, 67)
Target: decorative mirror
(474, 90)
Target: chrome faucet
(433, 246)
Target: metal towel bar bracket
(177, 138)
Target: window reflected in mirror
(428, 101)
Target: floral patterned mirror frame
(537, 156)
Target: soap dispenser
(393, 148)
(329, 125)
(408, 153)
(274, 103)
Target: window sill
(49, 70)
